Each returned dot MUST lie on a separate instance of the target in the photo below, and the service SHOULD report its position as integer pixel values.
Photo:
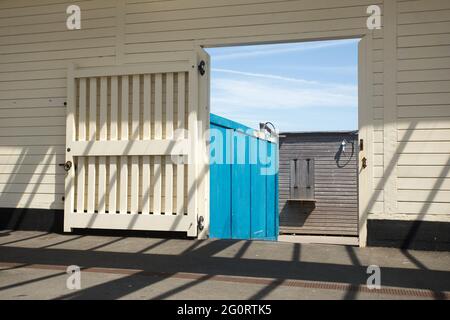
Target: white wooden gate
(130, 165)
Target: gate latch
(67, 165)
(364, 162)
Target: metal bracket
(201, 222)
(202, 67)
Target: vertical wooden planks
(123, 186)
(146, 135)
(271, 197)
(92, 137)
(157, 174)
(126, 106)
(220, 175)
(134, 205)
(112, 201)
(180, 126)
(168, 194)
(102, 137)
(257, 193)
(81, 137)
(241, 187)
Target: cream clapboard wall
(423, 114)
(35, 48)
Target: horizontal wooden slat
(423, 183)
(134, 69)
(424, 208)
(132, 221)
(131, 148)
(424, 159)
(424, 171)
(424, 135)
(425, 147)
(424, 195)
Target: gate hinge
(202, 67)
(201, 221)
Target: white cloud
(262, 75)
(269, 92)
(259, 50)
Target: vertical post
(112, 202)
(70, 137)
(192, 205)
(91, 185)
(203, 146)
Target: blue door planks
(243, 179)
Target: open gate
(135, 147)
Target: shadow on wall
(34, 176)
(408, 238)
(302, 211)
(32, 173)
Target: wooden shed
(318, 183)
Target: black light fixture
(263, 126)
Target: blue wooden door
(243, 183)
(220, 183)
(241, 187)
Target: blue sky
(298, 86)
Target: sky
(310, 86)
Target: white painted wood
(131, 69)
(157, 169)
(114, 135)
(134, 205)
(180, 206)
(146, 185)
(101, 192)
(389, 98)
(123, 182)
(157, 183)
(122, 186)
(146, 167)
(203, 149)
(82, 137)
(168, 188)
(69, 201)
(112, 185)
(193, 145)
(92, 136)
(133, 222)
(141, 147)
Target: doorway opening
(309, 92)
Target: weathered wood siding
(335, 209)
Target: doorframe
(365, 98)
